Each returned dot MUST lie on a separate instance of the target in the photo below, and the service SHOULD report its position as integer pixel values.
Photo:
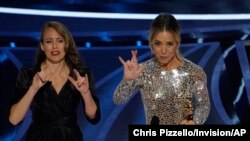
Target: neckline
(162, 68)
(60, 90)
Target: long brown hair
(72, 57)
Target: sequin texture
(165, 94)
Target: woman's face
(53, 45)
(164, 46)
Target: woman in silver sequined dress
(173, 89)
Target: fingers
(79, 81)
(41, 77)
(134, 56)
(130, 64)
(133, 59)
(44, 77)
(83, 80)
(72, 81)
(122, 61)
(134, 62)
(86, 77)
(76, 83)
(77, 74)
(125, 64)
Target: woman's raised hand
(131, 67)
(81, 83)
(40, 79)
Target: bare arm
(26, 92)
(82, 85)
(90, 105)
(19, 110)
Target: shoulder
(191, 65)
(25, 75)
(150, 63)
(27, 70)
(194, 69)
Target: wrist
(86, 92)
(33, 90)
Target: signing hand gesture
(131, 67)
(81, 83)
(40, 79)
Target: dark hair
(72, 57)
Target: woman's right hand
(131, 67)
(40, 79)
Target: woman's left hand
(81, 83)
(187, 122)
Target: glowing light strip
(120, 15)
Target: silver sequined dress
(164, 93)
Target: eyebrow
(56, 38)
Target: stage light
(138, 43)
(135, 16)
(200, 40)
(12, 44)
(88, 45)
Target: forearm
(90, 105)
(202, 106)
(124, 90)
(201, 113)
(19, 110)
